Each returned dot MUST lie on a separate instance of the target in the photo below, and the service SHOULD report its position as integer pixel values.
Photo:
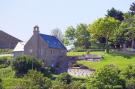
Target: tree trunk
(132, 43)
(107, 46)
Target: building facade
(45, 47)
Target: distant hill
(7, 41)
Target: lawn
(121, 60)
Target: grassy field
(121, 60)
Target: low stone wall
(80, 72)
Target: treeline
(115, 30)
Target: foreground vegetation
(115, 71)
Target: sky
(18, 17)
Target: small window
(51, 51)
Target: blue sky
(17, 17)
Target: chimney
(36, 30)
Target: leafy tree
(132, 8)
(115, 14)
(57, 33)
(24, 63)
(70, 35)
(82, 36)
(104, 27)
(106, 78)
(127, 29)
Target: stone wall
(80, 72)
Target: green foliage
(64, 78)
(69, 35)
(1, 87)
(115, 14)
(78, 36)
(104, 27)
(129, 75)
(129, 72)
(106, 78)
(35, 80)
(11, 83)
(5, 61)
(5, 51)
(7, 72)
(24, 63)
(59, 85)
(130, 83)
(77, 85)
(132, 8)
(126, 31)
(82, 36)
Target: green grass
(121, 60)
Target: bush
(35, 80)
(106, 78)
(5, 61)
(77, 85)
(129, 76)
(64, 78)
(1, 87)
(24, 63)
(59, 85)
(130, 83)
(6, 51)
(129, 72)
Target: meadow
(120, 60)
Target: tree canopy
(115, 14)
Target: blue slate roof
(52, 41)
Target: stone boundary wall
(80, 72)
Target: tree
(82, 36)
(106, 78)
(24, 63)
(57, 33)
(132, 8)
(128, 27)
(115, 14)
(104, 27)
(70, 35)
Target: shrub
(5, 61)
(129, 72)
(59, 85)
(35, 80)
(64, 78)
(77, 85)
(24, 63)
(1, 87)
(129, 75)
(106, 78)
(130, 83)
